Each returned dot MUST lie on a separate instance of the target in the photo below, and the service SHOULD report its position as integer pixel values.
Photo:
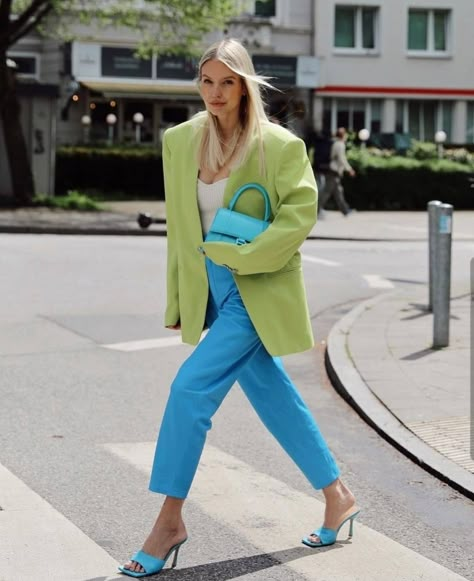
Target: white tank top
(210, 199)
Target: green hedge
(383, 182)
(401, 183)
(113, 171)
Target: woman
(251, 297)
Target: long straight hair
(211, 153)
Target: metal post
(432, 250)
(442, 278)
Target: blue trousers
(232, 351)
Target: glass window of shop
(470, 123)
(129, 126)
(354, 114)
(98, 111)
(422, 118)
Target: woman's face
(221, 89)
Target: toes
(314, 539)
(134, 566)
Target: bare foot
(340, 503)
(158, 544)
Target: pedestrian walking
(338, 165)
(251, 297)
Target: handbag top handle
(252, 186)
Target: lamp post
(86, 125)
(111, 121)
(364, 135)
(440, 138)
(138, 120)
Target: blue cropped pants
(232, 351)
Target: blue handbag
(235, 227)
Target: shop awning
(145, 89)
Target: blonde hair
(211, 153)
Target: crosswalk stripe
(145, 344)
(37, 543)
(317, 260)
(235, 494)
(377, 281)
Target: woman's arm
(172, 293)
(295, 216)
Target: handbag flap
(238, 225)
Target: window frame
(358, 49)
(30, 55)
(430, 51)
(442, 107)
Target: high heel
(152, 565)
(329, 536)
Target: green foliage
(73, 200)
(363, 160)
(134, 172)
(165, 27)
(385, 181)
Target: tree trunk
(15, 144)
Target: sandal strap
(148, 562)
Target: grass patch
(73, 200)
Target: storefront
(113, 81)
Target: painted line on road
(273, 516)
(377, 281)
(317, 260)
(144, 344)
(38, 543)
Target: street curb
(114, 231)
(350, 385)
(86, 231)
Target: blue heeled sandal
(152, 565)
(329, 536)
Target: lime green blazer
(267, 271)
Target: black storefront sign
(122, 62)
(182, 68)
(282, 69)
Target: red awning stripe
(395, 90)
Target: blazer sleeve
(295, 216)
(172, 293)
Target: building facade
(115, 96)
(390, 66)
(403, 66)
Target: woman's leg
(281, 408)
(167, 531)
(196, 393)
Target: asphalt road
(77, 414)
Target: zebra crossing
(37, 543)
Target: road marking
(377, 281)
(145, 344)
(37, 543)
(273, 516)
(317, 260)
(149, 344)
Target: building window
(470, 123)
(27, 65)
(355, 27)
(428, 30)
(353, 114)
(265, 8)
(423, 118)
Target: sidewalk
(379, 355)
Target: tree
(175, 26)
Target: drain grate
(449, 436)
